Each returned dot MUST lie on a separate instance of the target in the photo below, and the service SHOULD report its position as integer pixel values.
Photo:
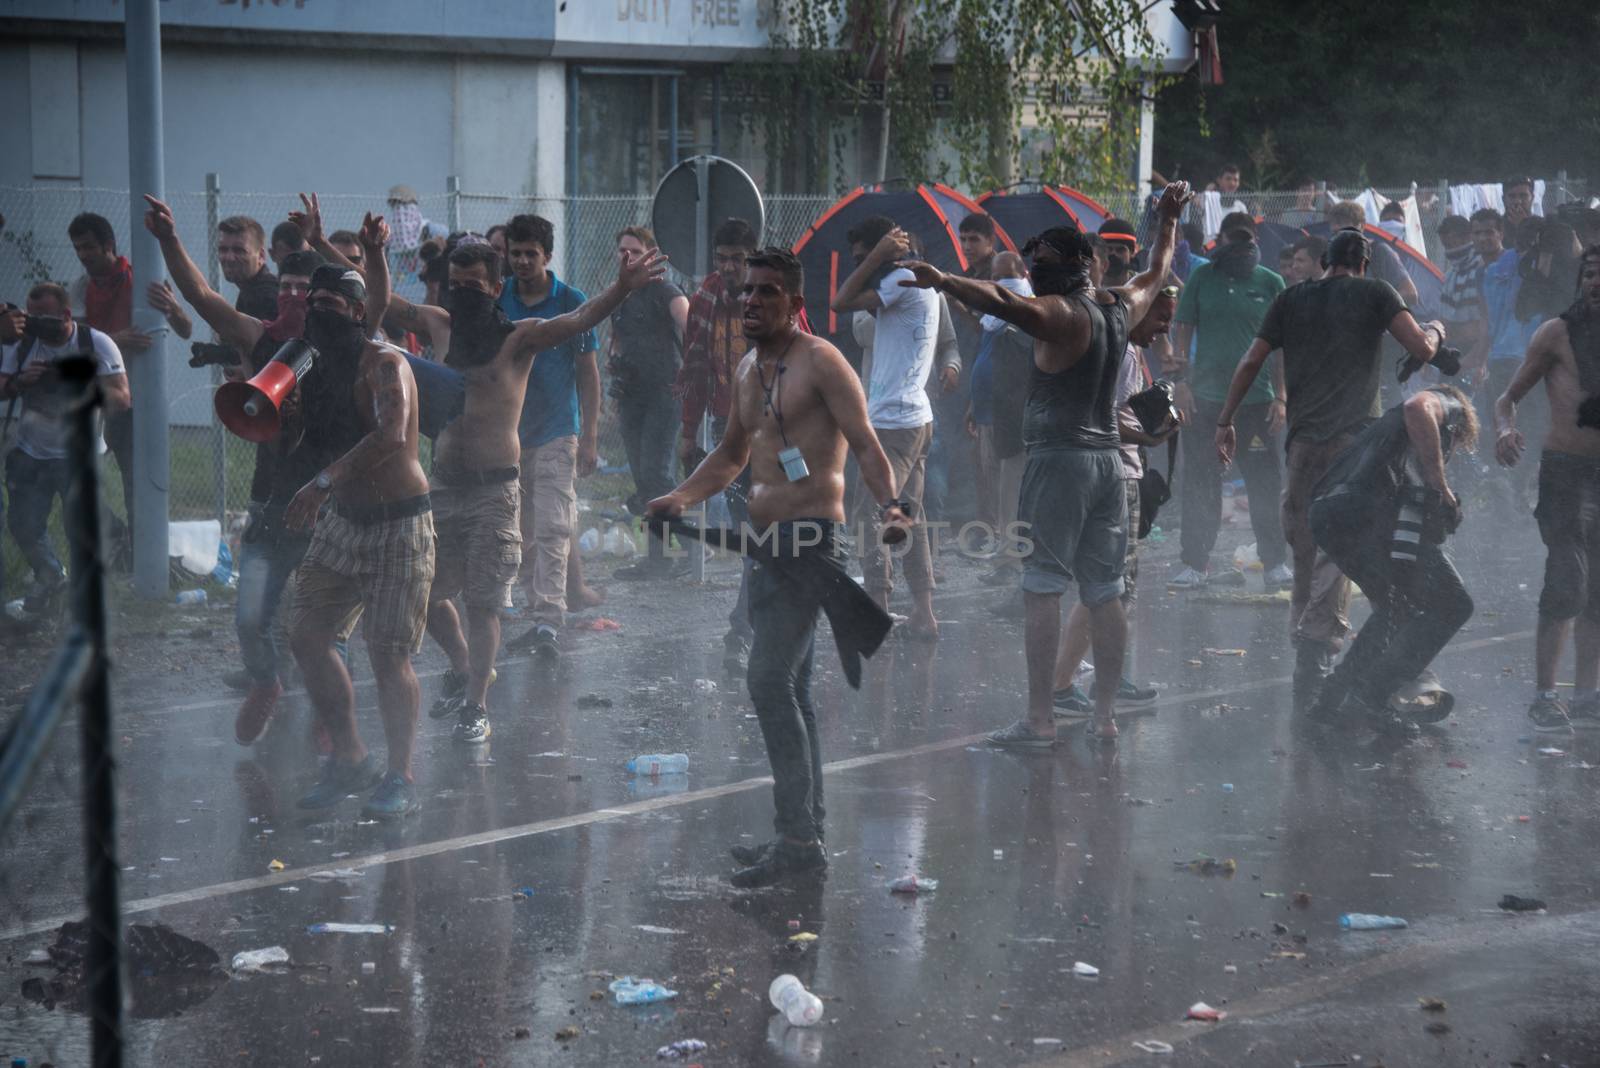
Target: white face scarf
(405, 226)
(1021, 287)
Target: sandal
(1020, 736)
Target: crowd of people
(1050, 369)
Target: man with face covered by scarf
(476, 498)
(1073, 496)
(269, 552)
(1221, 306)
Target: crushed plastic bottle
(659, 764)
(1085, 971)
(684, 1047)
(254, 960)
(631, 991)
(350, 928)
(913, 884)
(1366, 921)
(190, 597)
(799, 1006)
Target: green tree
(1041, 81)
(1356, 92)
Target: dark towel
(859, 623)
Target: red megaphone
(250, 409)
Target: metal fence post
(219, 437)
(1561, 187)
(452, 190)
(103, 959)
(147, 371)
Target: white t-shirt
(42, 429)
(904, 337)
(1130, 380)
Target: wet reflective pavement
(538, 870)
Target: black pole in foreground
(103, 960)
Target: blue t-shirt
(550, 410)
(1508, 335)
(983, 380)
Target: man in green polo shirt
(1219, 311)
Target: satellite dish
(693, 199)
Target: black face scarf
(478, 327)
(1583, 332)
(1237, 259)
(1059, 279)
(334, 334)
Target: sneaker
(394, 799)
(240, 680)
(472, 725)
(1130, 694)
(1187, 579)
(1549, 714)
(446, 707)
(1020, 736)
(735, 647)
(1228, 576)
(546, 642)
(339, 781)
(784, 860)
(256, 712)
(1278, 578)
(1585, 713)
(524, 641)
(1071, 703)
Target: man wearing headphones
(1330, 330)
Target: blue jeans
(268, 555)
(649, 430)
(33, 486)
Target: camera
(1154, 407)
(209, 354)
(47, 328)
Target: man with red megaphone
(268, 551)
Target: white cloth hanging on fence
(1214, 211)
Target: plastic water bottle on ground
(659, 764)
(799, 1006)
(631, 991)
(1366, 921)
(913, 884)
(253, 960)
(190, 597)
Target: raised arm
(1142, 290)
(536, 335)
(235, 327)
(309, 221)
(374, 239)
(856, 292)
(1422, 341)
(1036, 316)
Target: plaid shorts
(480, 541)
(378, 572)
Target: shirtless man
(269, 552)
(475, 489)
(1073, 499)
(372, 548)
(793, 393)
(1565, 353)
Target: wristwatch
(324, 482)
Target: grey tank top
(1076, 408)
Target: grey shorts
(1074, 504)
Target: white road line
(605, 815)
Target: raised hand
(310, 220)
(158, 219)
(1173, 198)
(638, 272)
(894, 245)
(159, 294)
(374, 234)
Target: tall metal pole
(702, 268)
(147, 371)
(219, 437)
(103, 956)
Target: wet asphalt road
(1043, 861)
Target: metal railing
(80, 673)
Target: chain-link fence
(211, 469)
